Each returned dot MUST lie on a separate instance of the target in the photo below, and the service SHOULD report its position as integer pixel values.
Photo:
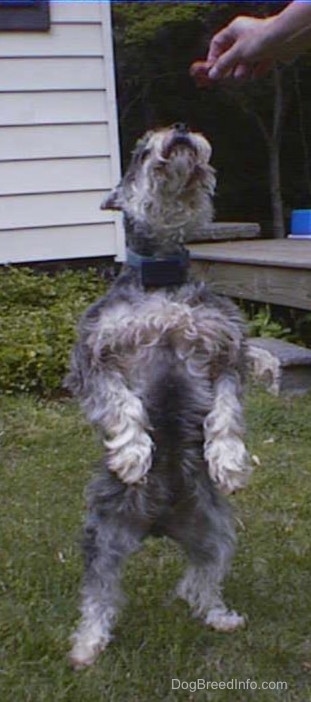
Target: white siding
(77, 39)
(59, 145)
(54, 141)
(44, 241)
(28, 75)
(57, 107)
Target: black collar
(160, 271)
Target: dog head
(166, 192)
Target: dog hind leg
(106, 546)
(201, 588)
(210, 547)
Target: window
(24, 15)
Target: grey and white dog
(159, 368)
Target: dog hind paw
(82, 654)
(224, 620)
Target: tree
(155, 44)
(264, 102)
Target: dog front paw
(131, 461)
(228, 464)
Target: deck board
(271, 252)
(274, 271)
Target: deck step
(227, 231)
(277, 271)
(282, 366)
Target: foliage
(39, 313)
(287, 323)
(262, 324)
(141, 21)
(37, 325)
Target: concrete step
(283, 367)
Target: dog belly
(170, 395)
(176, 405)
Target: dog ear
(113, 201)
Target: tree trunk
(272, 136)
(274, 144)
(275, 190)
(302, 131)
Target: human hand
(238, 51)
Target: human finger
(225, 65)
(220, 43)
(242, 71)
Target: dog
(159, 368)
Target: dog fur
(160, 372)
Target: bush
(289, 324)
(262, 323)
(38, 317)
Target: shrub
(38, 318)
(262, 324)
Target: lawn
(47, 455)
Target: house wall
(59, 145)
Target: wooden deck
(266, 270)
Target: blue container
(301, 223)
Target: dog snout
(181, 128)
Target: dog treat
(199, 72)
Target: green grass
(47, 454)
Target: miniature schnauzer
(159, 368)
